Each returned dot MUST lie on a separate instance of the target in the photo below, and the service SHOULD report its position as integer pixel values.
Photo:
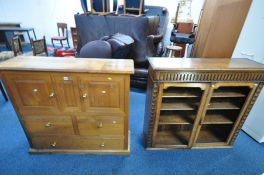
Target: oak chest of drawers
(199, 103)
(69, 104)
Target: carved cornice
(214, 76)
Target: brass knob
(103, 92)
(114, 122)
(102, 145)
(53, 145)
(84, 95)
(209, 104)
(109, 78)
(52, 95)
(48, 124)
(99, 125)
(35, 90)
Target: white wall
(44, 14)
(250, 45)
(40, 14)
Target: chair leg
(68, 43)
(52, 43)
(61, 43)
(3, 92)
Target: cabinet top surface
(204, 64)
(64, 64)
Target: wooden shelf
(178, 106)
(209, 136)
(172, 137)
(228, 94)
(176, 119)
(181, 92)
(218, 119)
(222, 106)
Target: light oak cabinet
(195, 105)
(219, 27)
(71, 111)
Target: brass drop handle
(48, 124)
(102, 145)
(53, 145)
(99, 125)
(52, 95)
(103, 92)
(84, 95)
(109, 78)
(114, 122)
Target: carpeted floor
(247, 156)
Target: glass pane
(179, 107)
(222, 112)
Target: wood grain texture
(202, 64)
(57, 64)
(71, 112)
(179, 116)
(219, 28)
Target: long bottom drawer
(77, 143)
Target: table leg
(28, 36)
(3, 91)
(34, 34)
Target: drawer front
(103, 93)
(92, 126)
(32, 93)
(48, 125)
(77, 143)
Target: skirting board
(253, 134)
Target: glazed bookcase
(197, 107)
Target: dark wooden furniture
(39, 47)
(194, 103)
(100, 6)
(71, 105)
(62, 34)
(171, 50)
(137, 9)
(3, 91)
(16, 46)
(11, 30)
(4, 25)
(219, 27)
(74, 37)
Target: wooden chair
(39, 47)
(171, 50)
(100, 7)
(3, 91)
(74, 37)
(62, 34)
(132, 8)
(16, 46)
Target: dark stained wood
(197, 64)
(199, 103)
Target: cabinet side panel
(151, 99)
(251, 104)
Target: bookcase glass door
(179, 106)
(226, 105)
